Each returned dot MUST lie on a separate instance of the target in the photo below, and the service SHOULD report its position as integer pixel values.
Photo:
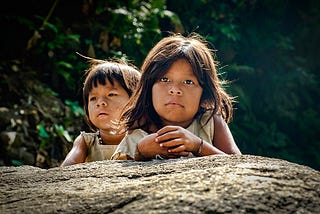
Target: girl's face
(176, 95)
(105, 103)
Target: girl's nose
(175, 90)
(101, 102)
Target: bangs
(100, 77)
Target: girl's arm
(223, 142)
(78, 153)
(223, 139)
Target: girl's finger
(169, 133)
(167, 137)
(178, 149)
(171, 143)
(167, 129)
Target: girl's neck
(153, 128)
(184, 124)
(110, 138)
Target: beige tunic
(97, 151)
(128, 145)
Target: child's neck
(184, 124)
(110, 138)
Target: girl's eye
(92, 98)
(164, 79)
(188, 82)
(112, 95)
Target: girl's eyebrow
(115, 88)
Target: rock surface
(213, 184)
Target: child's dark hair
(100, 71)
(140, 113)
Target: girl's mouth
(102, 114)
(174, 104)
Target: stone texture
(213, 184)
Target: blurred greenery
(268, 50)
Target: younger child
(107, 88)
(179, 108)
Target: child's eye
(112, 95)
(92, 98)
(164, 79)
(188, 82)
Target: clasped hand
(169, 142)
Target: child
(179, 108)
(107, 88)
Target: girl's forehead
(104, 89)
(180, 67)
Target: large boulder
(212, 184)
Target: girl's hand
(177, 139)
(147, 149)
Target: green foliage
(75, 108)
(139, 28)
(62, 132)
(41, 126)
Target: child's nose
(101, 102)
(175, 90)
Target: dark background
(268, 49)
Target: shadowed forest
(268, 50)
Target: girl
(107, 88)
(180, 107)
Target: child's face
(105, 103)
(176, 95)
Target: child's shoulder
(89, 136)
(94, 134)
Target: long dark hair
(140, 113)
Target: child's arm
(223, 138)
(78, 153)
